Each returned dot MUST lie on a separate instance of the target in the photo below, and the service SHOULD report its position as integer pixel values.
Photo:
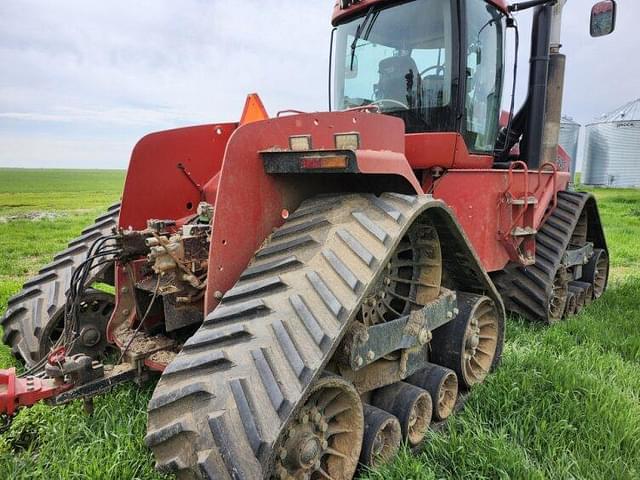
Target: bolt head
(449, 315)
(359, 361)
(456, 311)
(371, 355)
(125, 312)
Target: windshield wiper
(359, 31)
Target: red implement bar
(16, 392)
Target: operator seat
(399, 79)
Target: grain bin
(569, 134)
(612, 148)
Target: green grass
(564, 404)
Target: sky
(81, 81)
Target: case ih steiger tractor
(314, 289)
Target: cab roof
(356, 6)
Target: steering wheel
(437, 68)
(391, 101)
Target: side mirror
(603, 18)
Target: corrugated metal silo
(569, 134)
(612, 149)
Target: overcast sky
(82, 80)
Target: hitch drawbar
(16, 392)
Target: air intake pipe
(531, 145)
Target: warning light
(324, 162)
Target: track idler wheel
(596, 272)
(382, 437)
(442, 385)
(468, 344)
(411, 405)
(324, 439)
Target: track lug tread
(324, 292)
(310, 322)
(286, 246)
(269, 267)
(342, 270)
(386, 208)
(177, 394)
(229, 312)
(267, 373)
(166, 433)
(356, 247)
(197, 360)
(208, 337)
(291, 353)
(298, 228)
(370, 226)
(249, 289)
(246, 408)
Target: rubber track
(526, 290)
(220, 406)
(43, 296)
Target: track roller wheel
(580, 295)
(411, 405)
(558, 296)
(468, 344)
(596, 272)
(572, 305)
(587, 288)
(442, 385)
(382, 437)
(325, 438)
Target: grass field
(565, 403)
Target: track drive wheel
(469, 343)
(33, 317)
(325, 438)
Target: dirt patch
(33, 216)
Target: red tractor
(315, 288)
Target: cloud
(89, 78)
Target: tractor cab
(438, 65)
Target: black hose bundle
(100, 253)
